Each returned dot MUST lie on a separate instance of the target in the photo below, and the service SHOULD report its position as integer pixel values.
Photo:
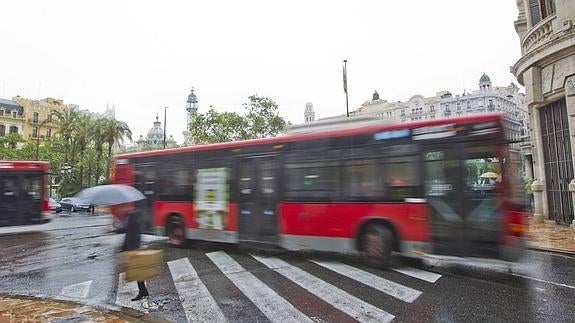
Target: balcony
(538, 35)
(10, 117)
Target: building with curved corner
(547, 70)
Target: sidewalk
(29, 309)
(553, 237)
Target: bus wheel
(377, 244)
(176, 231)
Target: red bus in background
(24, 193)
(436, 187)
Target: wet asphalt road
(81, 250)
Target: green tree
(67, 119)
(82, 137)
(115, 131)
(261, 120)
(213, 127)
(11, 140)
(99, 138)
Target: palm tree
(115, 131)
(98, 136)
(82, 137)
(67, 119)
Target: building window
(49, 117)
(403, 113)
(1, 113)
(432, 108)
(48, 133)
(35, 132)
(35, 117)
(540, 9)
(14, 114)
(468, 105)
(2, 130)
(458, 106)
(13, 129)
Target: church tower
(191, 110)
(309, 114)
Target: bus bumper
(46, 217)
(513, 249)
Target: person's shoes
(140, 296)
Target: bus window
(364, 181)
(402, 177)
(312, 181)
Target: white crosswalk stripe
(396, 290)
(198, 303)
(349, 304)
(276, 308)
(79, 290)
(418, 273)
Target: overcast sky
(144, 55)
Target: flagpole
(345, 86)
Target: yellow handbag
(142, 264)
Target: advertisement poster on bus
(212, 198)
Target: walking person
(132, 241)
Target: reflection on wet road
(218, 282)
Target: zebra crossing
(274, 295)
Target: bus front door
(443, 189)
(461, 189)
(257, 214)
(145, 182)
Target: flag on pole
(344, 79)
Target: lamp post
(65, 171)
(165, 126)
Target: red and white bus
(434, 187)
(24, 193)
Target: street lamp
(65, 171)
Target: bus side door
(443, 190)
(257, 214)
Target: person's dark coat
(132, 227)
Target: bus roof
(24, 165)
(315, 135)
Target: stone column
(570, 102)
(538, 186)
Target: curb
(551, 250)
(124, 313)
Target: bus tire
(377, 245)
(176, 231)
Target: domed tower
(309, 112)
(155, 137)
(485, 83)
(191, 110)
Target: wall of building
(37, 119)
(547, 70)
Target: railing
(9, 116)
(538, 35)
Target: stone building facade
(547, 70)
(309, 114)
(38, 118)
(486, 99)
(154, 140)
(11, 117)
